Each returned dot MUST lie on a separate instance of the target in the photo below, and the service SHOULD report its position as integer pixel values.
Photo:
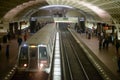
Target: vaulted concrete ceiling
(104, 10)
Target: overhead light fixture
(50, 6)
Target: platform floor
(107, 57)
(7, 64)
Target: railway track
(77, 65)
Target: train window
(42, 52)
(24, 53)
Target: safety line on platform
(57, 64)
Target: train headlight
(41, 66)
(25, 65)
(25, 45)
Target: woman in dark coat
(19, 41)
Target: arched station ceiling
(104, 10)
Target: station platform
(6, 64)
(107, 57)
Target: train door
(33, 60)
(43, 57)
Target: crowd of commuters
(5, 40)
(105, 39)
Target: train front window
(24, 53)
(42, 52)
(33, 52)
(33, 57)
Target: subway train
(36, 53)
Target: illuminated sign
(66, 19)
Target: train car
(36, 53)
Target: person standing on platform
(8, 36)
(117, 47)
(7, 51)
(100, 43)
(89, 35)
(0, 48)
(19, 40)
(118, 62)
(25, 36)
(5, 39)
(117, 52)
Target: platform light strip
(57, 64)
(9, 75)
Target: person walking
(7, 51)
